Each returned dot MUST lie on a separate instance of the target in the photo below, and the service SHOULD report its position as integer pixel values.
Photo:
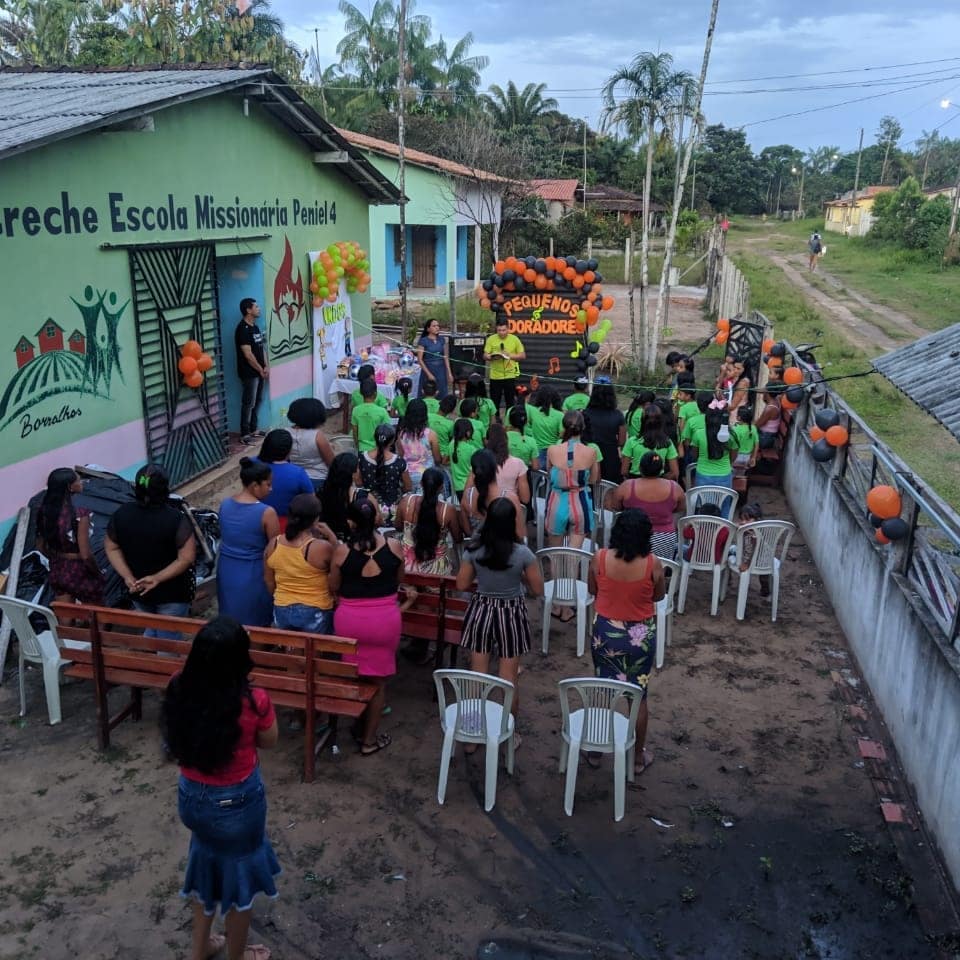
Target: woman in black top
(606, 427)
(151, 546)
(366, 572)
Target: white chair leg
(490, 781)
(631, 762)
(619, 782)
(661, 606)
(51, 686)
(668, 639)
(581, 627)
(545, 630)
(446, 751)
(682, 589)
(715, 595)
(23, 689)
(510, 746)
(742, 595)
(573, 759)
(775, 588)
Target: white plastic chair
(603, 517)
(540, 489)
(665, 609)
(565, 585)
(474, 718)
(43, 648)
(772, 538)
(598, 726)
(723, 497)
(706, 531)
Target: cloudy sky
(830, 44)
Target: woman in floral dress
(627, 580)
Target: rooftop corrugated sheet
(563, 190)
(925, 371)
(38, 107)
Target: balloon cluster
(545, 274)
(193, 363)
(884, 505)
(343, 259)
(723, 331)
(827, 435)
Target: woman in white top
(417, 443)
(511, 471)
(311, 448)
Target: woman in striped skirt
(496, 622)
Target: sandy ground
(769, 842)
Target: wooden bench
(437, 614)
(772, 458)
(298, 670)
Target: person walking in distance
(503, 351)
(815, 246)
(252, 367)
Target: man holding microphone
(503, 351)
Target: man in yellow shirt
(503, 351)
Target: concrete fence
(897, 603)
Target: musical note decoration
(554, 366)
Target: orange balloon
(838, 436)
(881, 537)
(318, 302)
(529, 275)
(499, 266)
(569, 273)
(607, 303)
(580, 325)
(767, 346)
(722, 336)
(786, 404)
(194, 379)
(485, 303)
(187, 365)
(540, 282)
(205, 362)
(578, 282)
(793, 376)
(191, 349)
(775, 362)
(723, 324)
(884, 502)
(593, 315)
(816, 434)
(589, 276)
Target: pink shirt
(509, 474)
(244, 759)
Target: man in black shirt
(252, 367)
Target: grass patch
(914, 435)
(611, 268)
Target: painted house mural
(152, 248)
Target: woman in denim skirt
(213, 722)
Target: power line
(831, 73)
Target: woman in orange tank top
(627, 580)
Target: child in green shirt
(463, 448)
(747, 439)
(519, 443)
(476, 389)
(367, 416)
(401, 397)
(635, 448)
(687, 400)
(545, 416)
(470, 411)
(428, 393)
(579, 399)
(369, 372)
(442, 425)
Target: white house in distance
(447, 206)
(558, 196)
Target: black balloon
(581, 266)
(498, 281)
(550, 274)
(894, 528)
(540, 266)
(778, 350)
(591, 361)
(586, 288)
(529, 261)
(570, 261)
(827, 419)
(597, 278)
(509, 275)
(822, 451)
(796, 394)
(487, 285)
(592, 264)
(875, 521)
(593, 346)
(520, 283)
(582, 366)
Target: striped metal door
(175, 300)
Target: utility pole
(584, 166)
(401, 107)
(693, 188)
(316, 52)
(955, 210)
(677, 193)
(856, 176)
(883, 169)
(926, 158)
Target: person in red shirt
(689, 537)
(213, 721)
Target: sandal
(646, 761)
(215, 943)
(569, 619)
(382, 742)
(256, 951)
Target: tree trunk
(645, 360)
(687, 153)
(628, 266)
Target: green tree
(40, 32)
(455, 76)
(729, 176)
(512, 108)
(888, 136)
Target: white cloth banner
(332, 341)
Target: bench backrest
(438, 612)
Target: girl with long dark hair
(519, 443)
(476, 389)
(652, 437)
(433, 355)
(481, 489)
(213, 723)
(428, 526)
(464, 446)
(627, 580)
(401, 396)
(417, 443)
(634, 414)
(511, 470)
(63, 536)
(545, 416)
(366, 572)
(247, 525)
(343, 486)
(496, 622)
(607, 429)
(384, 472)
(714, 455)
(660, 498)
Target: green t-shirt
(634, 422)
(746, 437)
(688, 410)
(576, 401)
(366, 417)
(479, 429)
(460, 468)
(486, 411)
(545, 428)
(527, 432)
(433, 405)
(400, 404)
(597, 451)
(634, 449)
(693, 423)
(443, 428)
(501, 369)
(381, 401)
(522, 446)
(705, 466)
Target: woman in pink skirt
(366, 572)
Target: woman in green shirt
(519, 443)
(545, 415)
(714, 455)
(652, 437)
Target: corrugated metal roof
(925, 371)
(38, 107)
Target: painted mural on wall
(55, 362)
(289, 324)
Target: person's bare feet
(215, 943)
(645, 761)
(256, 951)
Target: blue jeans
(303, 617)
(249, 401)
(172, 609)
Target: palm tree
(40, 32)
(512, 108)
(455, 76)
(640, 98)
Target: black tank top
(355, 586)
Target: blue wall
(462, 253)
(440, 256)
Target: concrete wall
(913, 673)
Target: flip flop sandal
(646, 761)
(368, 749)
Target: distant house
(606, 199)
(24, 351)
(949, 191)
(77, 342)
(559, 196)
(852, 217)
(50, 336)
(447, 205)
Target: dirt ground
(754, 834)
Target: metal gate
(175, 300)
